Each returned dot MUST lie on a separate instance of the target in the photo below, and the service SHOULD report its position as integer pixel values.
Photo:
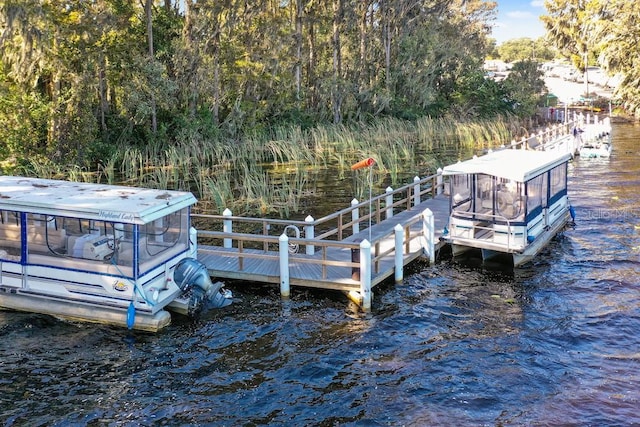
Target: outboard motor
(192, 276)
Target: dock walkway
(331, 264)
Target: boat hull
(519, 256)
(541, 241)
(601, 147)
(595, 152)
(21, 300)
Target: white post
(365, 275)
(388, 202)
(227, 227)
(309, 233)
(284, 265)
(399, 265)
(355, 216)
(439, 181)
(428, 235)
(416, 191)
(193, 243)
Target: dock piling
(284, 265)
(416, 191)
(193, 240)
(388, 202)
(428, 235)
(227, 227)
(355, 216)
(309, 233)
(399, 264)
(365, 275)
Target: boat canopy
(102, 202)
(517, 165)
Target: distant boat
(595, 139)
(509, 202)
(102, 253)
(599, 147)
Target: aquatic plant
(266, 172)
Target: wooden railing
(335, 226)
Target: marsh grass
(266, 173)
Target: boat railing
(483, 227)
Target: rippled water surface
(554, 343)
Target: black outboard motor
(191, 275)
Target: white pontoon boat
(508, 202)
(598, 147)
(595, 140)
(102, 253)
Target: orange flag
(363, 164)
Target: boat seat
(39, 238)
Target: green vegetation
(81, 80)
(600, 31)
(268, 174)
(211, 95)
(525, 49)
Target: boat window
(558, 179)
(536, 193)
(10, 236)
(76, 243)
(162, 234)
(484, 193)
(509, 199)
(461, 192)
(101, 246)
(163, 238)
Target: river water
(556, 342)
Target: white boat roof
(132, 205)
(517, 165)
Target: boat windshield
(500, 198)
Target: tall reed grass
(266, 173)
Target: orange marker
(363, 164)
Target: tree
(616, 37)
(149, 73)
(525, 85)
(603, 31)
(525, 49)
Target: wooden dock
(352, 250)
(331, 266)
(406, 224)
